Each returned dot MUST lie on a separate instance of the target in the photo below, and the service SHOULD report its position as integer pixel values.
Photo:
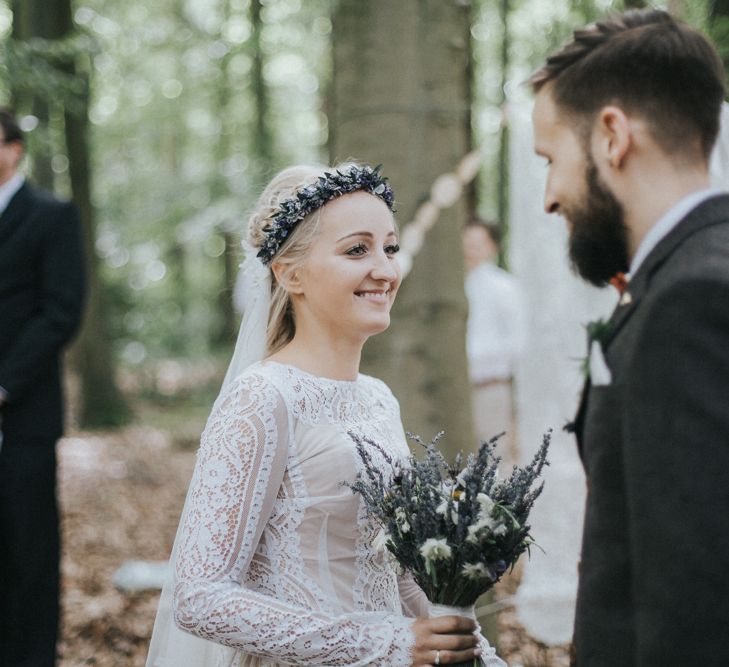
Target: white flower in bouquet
(402, 522)
(443, 509)
(434, 549)
(476, 571)
(485, 503)
(379, 544)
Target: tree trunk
(262, 136)
(400, 97)
(101, 401)
(102, 404)
(719, 29)
(230, 257)
(503, 195)
(31, 19)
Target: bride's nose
(385, 267)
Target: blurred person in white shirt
(495, 336)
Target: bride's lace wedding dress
(274, 563)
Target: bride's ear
(287, 276)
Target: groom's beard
(598, 243)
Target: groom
(626, 116)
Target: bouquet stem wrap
(437, 610)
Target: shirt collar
(9, 188)
(668, 221)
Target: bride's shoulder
(380, 390)
(256, 380)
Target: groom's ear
(613, 136)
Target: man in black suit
(626, 115)
(41, 296)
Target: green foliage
(40, 67)
(718, 30)
(176, 150)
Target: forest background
(163, 121)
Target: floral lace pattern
(274, 556)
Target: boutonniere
(597, 333)
(620, 282)
(593, 365)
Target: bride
(274, 562)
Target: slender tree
(30, 20)
(220, 191)
(503, 194)
(262, 143)
(719, 28)
(101, 401)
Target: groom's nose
(551, 205)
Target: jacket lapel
(711, 212)
(13, 215)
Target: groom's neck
(650, 192)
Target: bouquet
(456, 528)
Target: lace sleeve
(240, 468)
(414, 602)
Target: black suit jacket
(654, 574)
(41, 298)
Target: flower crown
(292, 211)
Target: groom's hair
(10, 126)
(650, 64)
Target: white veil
(170, 646)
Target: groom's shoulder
(702, 252)
(705, 254)
(694, 279)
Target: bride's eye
(392, 249)
(357, 250)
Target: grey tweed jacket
(654, 573)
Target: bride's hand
(444, 640)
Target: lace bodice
(274, 555)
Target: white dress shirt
(668, 221)
(496, 330)
(8, 190)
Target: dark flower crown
(307, 200)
